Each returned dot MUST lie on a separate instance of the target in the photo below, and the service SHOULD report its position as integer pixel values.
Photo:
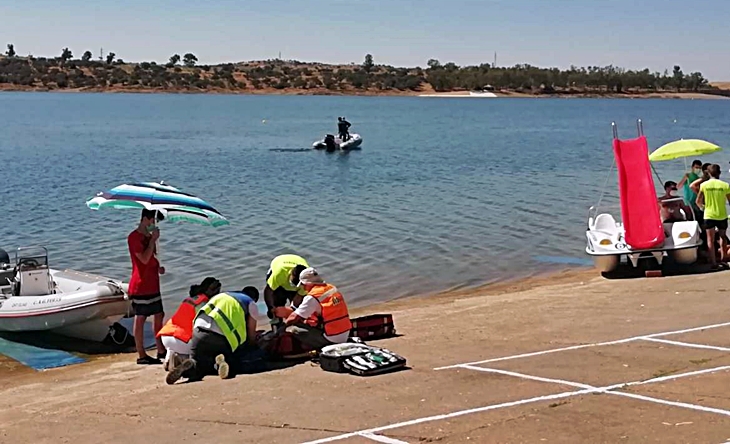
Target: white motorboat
(640, 233)
(332, 143)
(34, 297)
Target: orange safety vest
(334, 319)
(180, 325)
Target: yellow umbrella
(683, 148)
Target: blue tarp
(36, 357)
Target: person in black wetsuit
(343, 127)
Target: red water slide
(639, 208)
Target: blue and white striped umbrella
(174, 204)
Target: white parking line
(578, 347)
(587, 390)
(383, 439)
(687, 344)
(450, 415)
(530, 377)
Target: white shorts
(173, 344)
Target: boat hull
(607, 245)
(83, 306)
(352, 143)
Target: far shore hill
(184, 75)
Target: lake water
(445, 193)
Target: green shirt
(279, 271)
(715, 192)
(690, 198)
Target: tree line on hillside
(183, 72)
(529, 78)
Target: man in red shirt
(144, 285)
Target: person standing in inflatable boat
(322, 318)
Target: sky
(633, 34)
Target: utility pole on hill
(101, 53)
(494, 65)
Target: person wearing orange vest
(322, 318)
(178, 331)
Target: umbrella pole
(657, 174)
(157, 244)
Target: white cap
(310, 276)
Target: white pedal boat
(34, 297)
(606, 243)
(352, 143)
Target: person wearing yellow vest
(322, 318)
(225, 324)
(178, 331)
(713, 195)
(282, 281)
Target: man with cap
(322, 318)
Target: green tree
(66, 55)
(678, 78)
(174, 60)
(190, 60)
(110, 58)
(87, 56)
(368, 64)
(11, 50)
(695, 81)
(433, 63)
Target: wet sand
(527, 399)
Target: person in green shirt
(711, 198)
(690, 196)
(282, 282)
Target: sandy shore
(367, 93)
(530, 399)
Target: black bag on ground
(377, 326)
(375, 361)
(332, 357)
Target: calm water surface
(445, 193)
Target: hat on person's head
(310, 276)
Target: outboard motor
(329, 141)
(7, 272)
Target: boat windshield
(31, 257)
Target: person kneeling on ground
(322, 319)
(224, 325)
(282, 284)
(177, 333)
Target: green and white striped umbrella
(174, 204)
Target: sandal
(162, 355)
(148, 360)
